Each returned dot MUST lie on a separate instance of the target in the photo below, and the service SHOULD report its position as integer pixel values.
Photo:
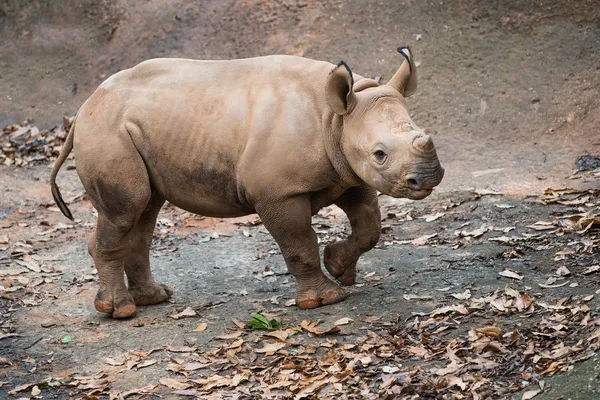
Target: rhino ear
(338, 90)
(405, 80)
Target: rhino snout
(424, 181)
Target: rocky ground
(487, 289)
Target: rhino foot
(326, 293)
(119, 305)
(340, 261)
(152, 293)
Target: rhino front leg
(289, 222)
(361, 206)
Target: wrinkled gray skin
(280, 136)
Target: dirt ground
(508, 89)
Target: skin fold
(280, 136)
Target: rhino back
(218, 135)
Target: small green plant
(258, 321)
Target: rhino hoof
(117, 306)
(313, 300)
(153, 293)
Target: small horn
(423, 143)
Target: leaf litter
(461, 347)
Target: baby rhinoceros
(280, 136)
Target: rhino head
(380, 141)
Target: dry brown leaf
(201, 327)
(523, 302)
(422, 240)
(466, 295)
(310, 327)
(188, 312)
(94, 384)
(418, 351)
(343, 321)
(114, 362)
(491, 331)
(563, 271)
(279, 334)
(178, 384)
(593, 268)
(459, 308)
(456, 381)
(432, 217)
(409, 297)
(180, 349)
(530, 394)
(228, 336)
(546, 286)
(474, 233)
(146, 363)
(511, 274)
(271, 347)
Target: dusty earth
(501, 303)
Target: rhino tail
(64, 153)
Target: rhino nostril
(412, 183)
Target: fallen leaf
(36, 391)
(563, 271)
(593, 268)
(530, 394)
(230, 336)
(432, 217)
(279, 334)
(474, 233)
(180, 349)
(466, 295)
(450, 309)
(418, 351)
(271, 347)
(310, 327)
(113, 362)
(491, 331)
(511, 274)
(422, 240)
(456, 381)
(146, 363)
(188, 312)
(409, 297)
(201, 327)
(174, 383)
(546, 286)
(343, 321)
(94, 384)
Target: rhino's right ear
(405, 80)
(339, 93)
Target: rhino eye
(380, 156)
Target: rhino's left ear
(405, 80)
(338, 90)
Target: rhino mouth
(418, 194)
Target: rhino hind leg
(289, 222)
(120, 199)
(141, 285)
(361, 206)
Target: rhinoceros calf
(280, 136)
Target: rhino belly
(195, 176)
(203, 189)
